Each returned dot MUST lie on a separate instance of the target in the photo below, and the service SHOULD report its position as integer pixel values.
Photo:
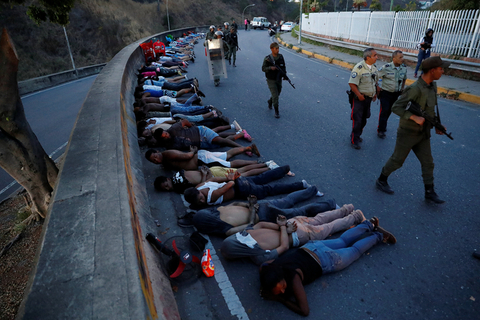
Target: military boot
(430, 194)
(277, 114)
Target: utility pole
(300, 24)
(70, 52)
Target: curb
(458, 95)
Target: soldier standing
(363, 82)
(274, 77)
(211, 33)
(234, 25)
(393, 77)
(232, 40)
(413, 131)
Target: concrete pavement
(461, 89)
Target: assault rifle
(281, 71)
(415, 108)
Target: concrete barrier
(94, 261)
(52, 80)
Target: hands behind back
(281, 220)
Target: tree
(456, 5)
(397, 8)
(21, 154)
(376, 5)
(411, 6)
(359, 3)
(55, 11)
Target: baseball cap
(434, 62)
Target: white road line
(59, 86)
(228, 292)
(8, 187)
(15, 182)
(58, 149)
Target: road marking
(15, 182)
(228, 292)
(58, 149)
(8, 187)
(55, 87)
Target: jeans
(185, 84)
(337, 254)
(166, 72)
(258, 186)
(269, 209)
(187, 107)
(422, 55)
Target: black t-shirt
(298, 259)
(183, 138)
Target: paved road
(428, 274)
(51, 114)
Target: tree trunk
(21, 155)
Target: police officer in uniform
(234, 25)
(210, 34)
(274, 77)
(363, 82)
(413, 131)
(232, 41)
(393, 77)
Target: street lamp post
(300, 24)
(243, 13)
(168, 18)
(70, 52)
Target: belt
(391, 91)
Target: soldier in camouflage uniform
(393, 77)
(232, 41)
(413, 131)
(211, 33)
(274, 77)
(363, 82)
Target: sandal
(247, 136)
(255, 150)
(374, 221)
(249, 153)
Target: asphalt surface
(51, 114)
(429, 274)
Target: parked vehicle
(272, 31)
(288, 26)
(260, 22)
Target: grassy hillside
(98, 29)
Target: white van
(260, 22)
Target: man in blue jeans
(184, 134)
(227, 220)
(424, 46)
(283, 279)
(234, 186)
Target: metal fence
(456, 32)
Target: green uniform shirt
(392, 77)
(423, 94)
(210, 35)
(364, 78)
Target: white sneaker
(237, 126)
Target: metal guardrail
(455, 64)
